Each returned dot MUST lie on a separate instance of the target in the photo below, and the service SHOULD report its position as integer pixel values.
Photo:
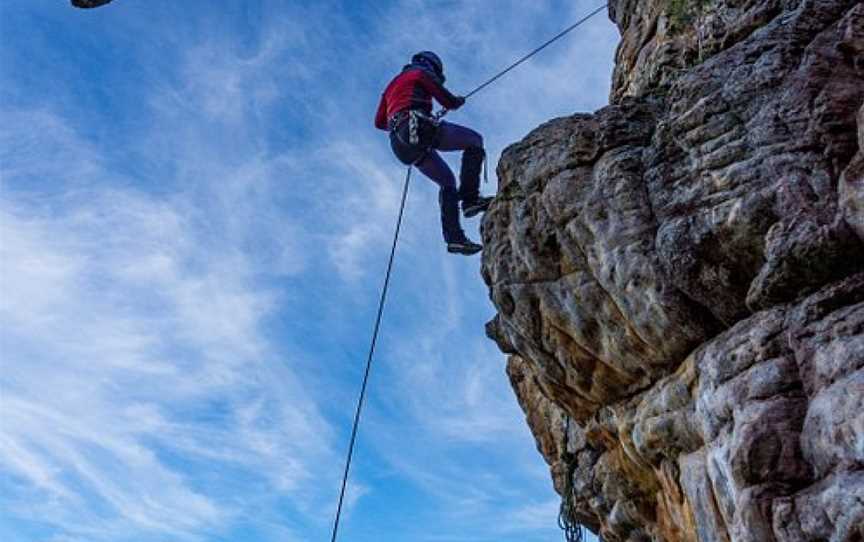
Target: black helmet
(430, 58)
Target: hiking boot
(466, 247)
(480, 205)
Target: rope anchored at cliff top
(377, 327)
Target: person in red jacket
(416, 137)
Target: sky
(195, 216)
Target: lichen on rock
(681, 275)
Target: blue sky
(195, 215)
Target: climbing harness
(415, 117)
(572, 528)
(413, 134)
(414, 138)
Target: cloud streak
(135, 353)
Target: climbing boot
(457, 242)
(480, 205)
(469, 174)
(466, 247)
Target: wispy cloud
(135, 355)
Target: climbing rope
(572, 528)
(528, 56)
(371, 354)
(377, 326)
(557, 37)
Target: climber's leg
(453, 137)
(434, 167)
(457, 241)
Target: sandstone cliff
(681, 276)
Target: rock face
(681, 275)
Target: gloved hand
(460, 101)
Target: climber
(416, 137)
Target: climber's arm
(444, 97)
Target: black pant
(446, 137)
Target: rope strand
(557, 37)
(566, 521)
(362, 398)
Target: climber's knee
(476, 140)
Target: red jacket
(414, 88)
